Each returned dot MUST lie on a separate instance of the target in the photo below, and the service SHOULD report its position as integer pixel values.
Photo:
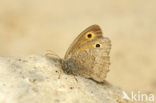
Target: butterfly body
(90, 57)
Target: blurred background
(33, 26)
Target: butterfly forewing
(83, 37)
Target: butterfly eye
(98, 45)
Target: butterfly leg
(75, 77)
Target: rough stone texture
(39, 79)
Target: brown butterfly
(88, 55)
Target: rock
(40, 79)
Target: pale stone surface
(39, 79)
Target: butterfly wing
(88, 34)
(91, 60)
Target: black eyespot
(97, 45)
(89, 35)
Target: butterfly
(88, 55)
